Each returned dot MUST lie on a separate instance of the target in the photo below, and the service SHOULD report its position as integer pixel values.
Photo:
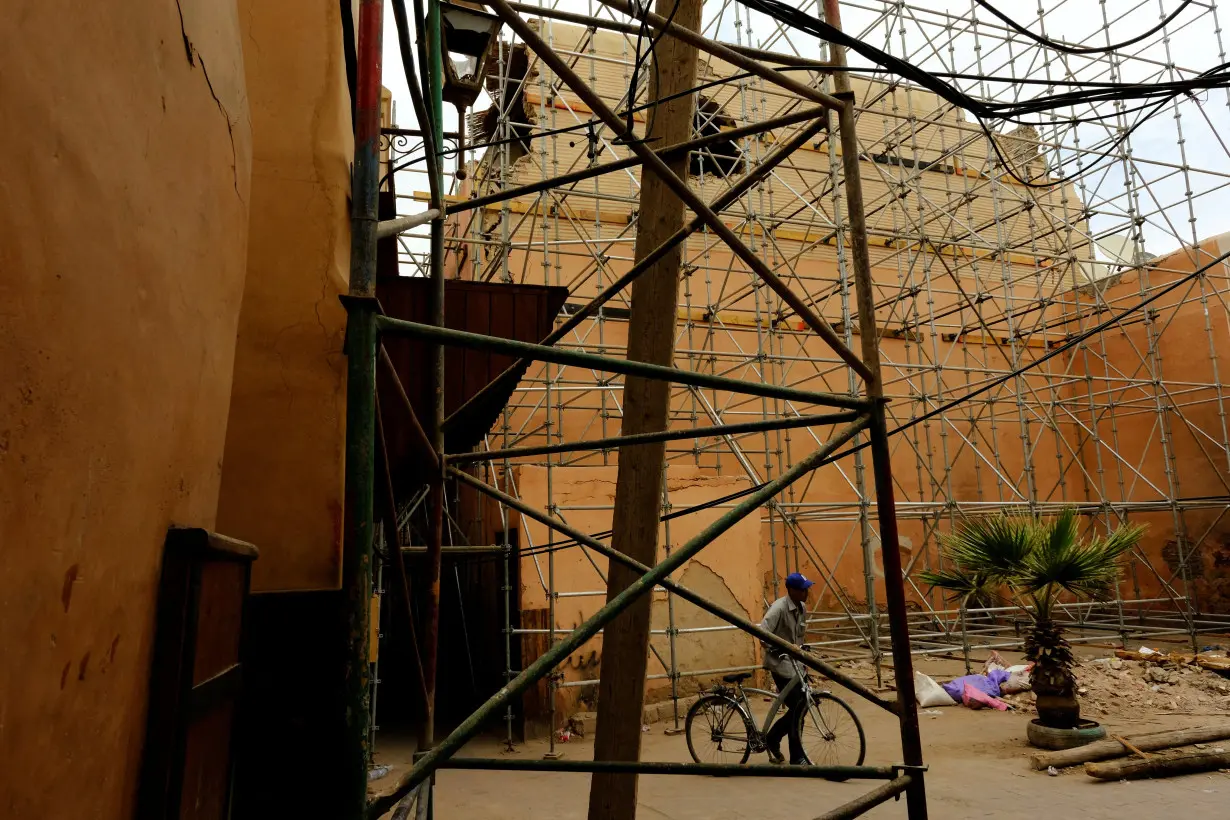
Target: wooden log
(638, 486)
(1159, 766)
(1109, 749)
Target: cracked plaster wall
(123, 231)
(729, 571)
(282, 477)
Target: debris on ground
(986, 684)
(975, 698)
(1127, 687)
(1213, 658)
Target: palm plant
(1031, 563)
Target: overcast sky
(940, 36)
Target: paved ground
(978, 769)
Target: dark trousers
(788, 723)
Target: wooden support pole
(1159, 766)
(1151, 742)
(881, 455)
(638, 488)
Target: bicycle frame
(779, 698)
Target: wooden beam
(1151, 742)
(638, 487)
(1159, 766)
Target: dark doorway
(472, 660)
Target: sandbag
(929, 693)
(1018, 680)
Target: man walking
(787, 619)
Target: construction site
(430, 408)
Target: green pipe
(541, 667)
(861, 805)
(646, 438)
(357, 548)
(682, 591)
(359, 472)
(460, 338)
(694, 769)
(720, 203)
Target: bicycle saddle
(737, 677)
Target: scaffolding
(977, 276)
(1036, 355)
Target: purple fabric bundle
(987, 684)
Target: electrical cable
(1089, 93)
(657, 74)
(1007, 111)
(809, 24)
(1209, 80)
(1070, 49)
(636, 67)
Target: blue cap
(796, 580)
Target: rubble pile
(1116, 687)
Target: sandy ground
(978, 769)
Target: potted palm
(1032, 563)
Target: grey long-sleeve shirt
(788, 621)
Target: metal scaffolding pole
(973, 277)
(360, 409)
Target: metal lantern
(469, 35)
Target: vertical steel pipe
(360, 408)
(431, 620)
(541, 667)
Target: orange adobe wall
(282, 477)
(725, 572)
(1181, 450)
(123, 231)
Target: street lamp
(469, 35)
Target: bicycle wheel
(718, 731)
(831, 733)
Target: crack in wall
(193, 57)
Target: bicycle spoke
(717, 733)
(830, 735)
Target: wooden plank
(219, 619)
(206, 791)
(195, 676)
(535, 703)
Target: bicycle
(830, 732)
